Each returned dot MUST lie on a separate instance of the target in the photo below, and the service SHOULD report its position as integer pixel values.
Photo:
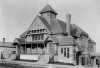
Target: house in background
(7, 50)
(50, 40)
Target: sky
(17, 15)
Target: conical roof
(48, 8)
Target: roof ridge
(47, 8)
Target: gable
(37, 24)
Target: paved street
(49, 66)
(22, 64)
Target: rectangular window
(39, 37)
(37, 31)
(43, 30)
(68, 53)
(64, 52)
(40, 30)
(34, 31)
(42, 36)
(61, 50)
(35, 37)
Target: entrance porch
(31, 51)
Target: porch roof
(23, 41)
(33, 42)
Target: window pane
(61, 50)
(64, 52)
(67, 52)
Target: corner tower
(48, 13)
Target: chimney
(68, 20)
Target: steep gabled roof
(77, 31)
(19, 40)
(62, 25)
(42, 20)
(58, 26)
(23, 34)
(48, 8)
(32, 25)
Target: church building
(50, 40)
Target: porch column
(86, 59)
(56, 48)
(44, 48)
(25, 49)
(37, 48)
(80, 60)
(18, 51)
(31, 48)
(94, 61)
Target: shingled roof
(48, 8)
(43, 20)
(77, 31)
(19, 40)
(57, 26)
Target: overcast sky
(17, 15)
